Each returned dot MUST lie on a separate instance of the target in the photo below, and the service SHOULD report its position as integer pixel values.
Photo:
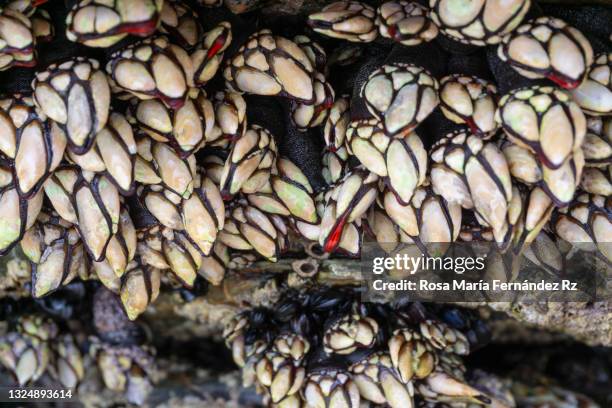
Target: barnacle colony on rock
(157, 146)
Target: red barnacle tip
(473, 128)
(562, 82)
(142, 29)
(333, 240)
(393, 32)
(25, 64)
(216, 46)
(173, 103)
(37, 3)
(226, 195)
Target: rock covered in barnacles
(477, 22)
(185, 129)
(544, 120)
(328, 387)
(207, 57)
(255, 149)
(152, 68)
(34, 144)
(127, 369)
(113, 153)
(594, 94)
(559, 184)
(470, 100)
(17, 214)
(587, 221)
(100, 23)
(548, 48)
(348, 20)
(181, 23)
(345, 203)
(401, 96)
(406, 22)
(76, 95)
(401, 160)
(56, 251)
(271, 65)
(17, 40)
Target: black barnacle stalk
(97, 23)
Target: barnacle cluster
(178, 142)
(326, 348)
